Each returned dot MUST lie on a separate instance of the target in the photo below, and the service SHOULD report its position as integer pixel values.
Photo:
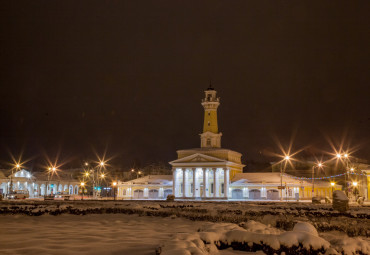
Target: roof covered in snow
(271, 178)
(152, 179)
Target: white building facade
(37, 184)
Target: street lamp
(83, 187)
(332, 188)
(114, 190)
(319, 165)
(51, 170)
(286, 158)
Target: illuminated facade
(211, 172)
(37, 184)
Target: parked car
(18, 194)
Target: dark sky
(128, 76)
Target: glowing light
(102, 163)
(102, 175)
(354, 184)
(86, 164)
(54, 169)
(139, 172)
(346, 155)
(87, 174)
(352, 169)
(319, 165)
(286, 157)
(82, 184)
(114, 183)
(332, 184)
(132, 170)
(339, 156)
(18, 166)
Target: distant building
(38, 184)
(211, 172)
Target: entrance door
(273, 194)
(153, 194)
(139, 194)
(237, 194)
(254, 194)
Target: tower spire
(210, 136)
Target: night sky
(127, 77)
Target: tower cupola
(210, 136)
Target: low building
(147, 187)
(38, 184)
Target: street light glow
(352, 169)
(332, 184)
(339, 156)
(102, 163)
(82, 184)
(54, 168)
(354, 184)
(286, 157)
(132, 170)
(86, 164)
(102, 175)
(114, 183)
(18, 165)
(320, 164)
(346, 155)
(87, 174)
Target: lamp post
(50, 171)
(114, 190)
(286, 158)
(319, 165)
(354, 184)
(83, 187)
(332, 188)
(17, 166)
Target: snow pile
(252, 236)
(340, 195)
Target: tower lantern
(210, 138)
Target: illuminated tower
(210, 138)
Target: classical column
(183, 182)
(226, 182)
(194, 181)
(204, 182)
(173, 182)
(214, 181)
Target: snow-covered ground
(88, 234)
(140, 227)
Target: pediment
(198, 157)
